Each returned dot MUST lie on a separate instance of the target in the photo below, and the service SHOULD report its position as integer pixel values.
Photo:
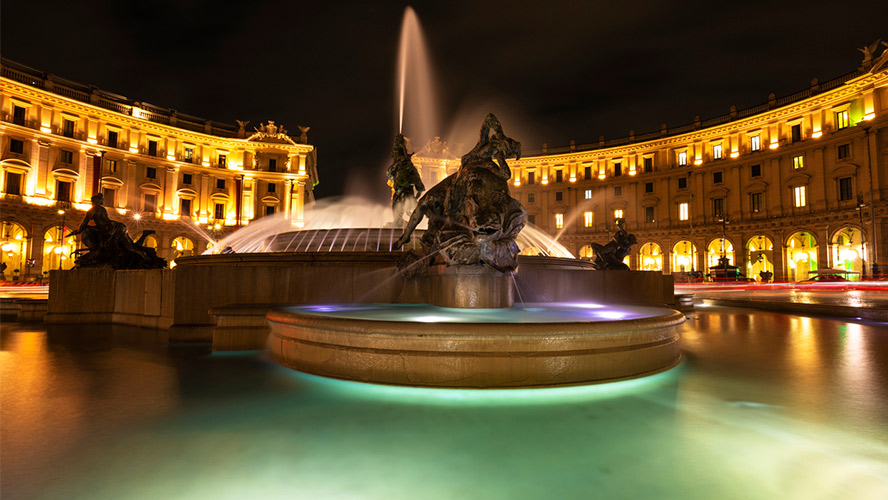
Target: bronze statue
(472, 217)
(108, 245)
(403, 178)
(611, 255)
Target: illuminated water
(528, 313)
(764, 406)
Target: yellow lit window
(587, 216)
(798, 162)
(755, 143)
(717, 152)
(682, 158)
(841, 119)
(799, 196)
(559, 221)
(683, 211)
(618, 214)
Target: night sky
(552, 70)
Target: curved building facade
(190, 180)
(791, 186)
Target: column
(169, 187)
(129, 195)
(40, 172)
(204, 195)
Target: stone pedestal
(468, 287)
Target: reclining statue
(472, 218)
(108, 245)
(611, 255)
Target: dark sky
(552, 70)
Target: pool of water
(525, 313)
(764, 405)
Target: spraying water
(416, 93)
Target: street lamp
(860, 206)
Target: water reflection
(764, 406)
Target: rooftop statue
(472, 217)
(403, 178)
(108, 245)
(611, 255)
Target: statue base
(468, 287)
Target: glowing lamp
(134, 150)
(58, 250)
(137, 216)
(869, 116)
(817, 134)
(545, 180)
(92, 140)
(573, 177)
(172, 264)
(735, 154)
(601, 176)
(698, 161)
(774, 145)
(46, 130)
(517, 182)
(121, 211)
(217, 226)
(299, 223)
(61, 212)
(7, 247)
(171, 157)
(205, 164)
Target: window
(618, 190)
(755, 170)
(796, 132)
(755, 202)
(682, 183)
(798, 162)
(587, 173)
(112, 139)
(16, 146)
(717, 177)
(66, 157)
(186, 179)
(799, 196)
(272, 187)
(272, 165)
(717, 152)
(559, 221)
(841, 119)
(845, 188)
(718, 207)
(755, 143)
(618, 214)
(269, 209)
(531, 198)
(219, 211)
(648, 165)
(63, 191)
(649, 214)
(67, 127)
(185, 207)
(220, 183)
(110, 196)
(151, 172)
(648, 187)
(531, 219)
(559, 196)
(18, 115)
(844, 151)
(530, 177)
(559, 175)
(587, 194)
(682, 158)
(111, 165)
(150, 204)
(189, 155)
(682, 211)
(587, 218)
(618, 169)
(152, 148)
(222, 160)
(13, 183)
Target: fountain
(468, 333)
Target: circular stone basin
(538, 345)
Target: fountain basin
(543, 345)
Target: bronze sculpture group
(108, 245)
(404, 178)
(472, 218)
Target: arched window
(801, 255)
(14, 243)
(684, 257)
(717, 248)
(182, 247)
(586, 253)
(57, 253)
(759, 257)
(848, 252)
(650, 257)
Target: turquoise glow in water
(527, 313)
(764, 406)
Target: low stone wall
(141, 297)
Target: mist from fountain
(417, 109)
